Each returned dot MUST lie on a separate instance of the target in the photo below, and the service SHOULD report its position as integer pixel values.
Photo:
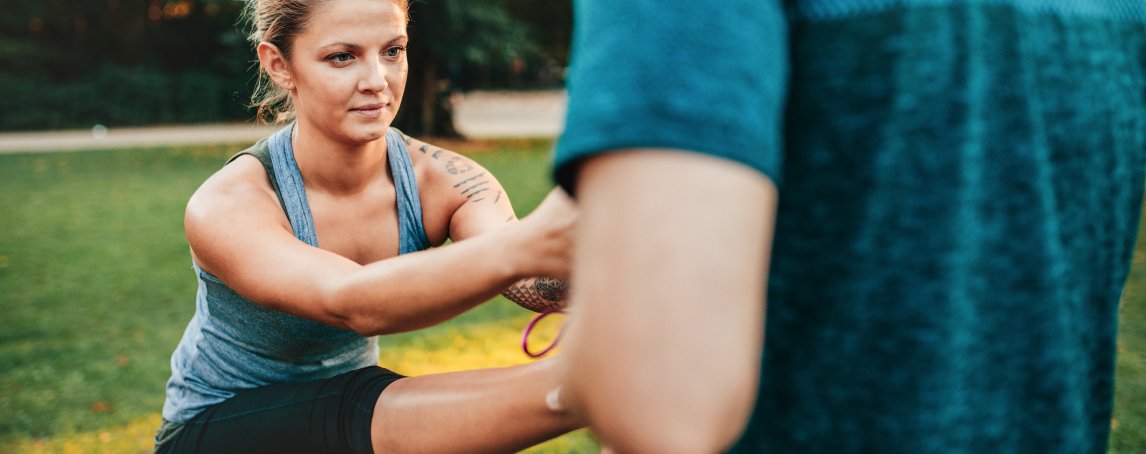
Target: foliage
(122, 62)
(75, 63)
(114, 95)
(459, 45)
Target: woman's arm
(543, 292)
(664, 343)
(237, 232)
(479, 204)
(538, 293)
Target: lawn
(96, 287)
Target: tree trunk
(426, 111)
(429, 94)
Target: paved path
(510, 114)
(94, 139)
(476, 115)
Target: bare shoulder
(452, 184)
(234, 201)
(242, 183)
(440, 162)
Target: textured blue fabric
(624, 93)
(1117, 10)
(233, 344)
(412, 235)
(960, 188)
(290, 188)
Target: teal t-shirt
(960, 185)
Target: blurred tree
(447, 37)
(72, 63)
(551, 29)
(68, 39)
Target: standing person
(939, 199)
(314, 240)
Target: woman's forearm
(422, 289)
(537, 293)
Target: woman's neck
(336, 166)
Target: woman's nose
(374, 79)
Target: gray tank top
(233, 344)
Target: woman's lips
(370, 110)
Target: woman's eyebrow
(350, 46)
(356, 47)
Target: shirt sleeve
(678, 75)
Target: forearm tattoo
(538, 294)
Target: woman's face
(348, 68)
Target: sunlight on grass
(458, 346)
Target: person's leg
(331, 415)
(488, 410)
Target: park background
(95, 278)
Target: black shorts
(331, 415)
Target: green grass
(96, 287)
(1128, 434)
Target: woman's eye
(393, 52)
(341, 57)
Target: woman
(294, 279)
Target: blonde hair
(278, 22)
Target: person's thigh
(323, 416)
(477, 411)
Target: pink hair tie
(529, 329)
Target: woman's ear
(275, 64)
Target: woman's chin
(368, 133)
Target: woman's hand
(545, 237)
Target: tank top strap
(291, 191)
(412, 236)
